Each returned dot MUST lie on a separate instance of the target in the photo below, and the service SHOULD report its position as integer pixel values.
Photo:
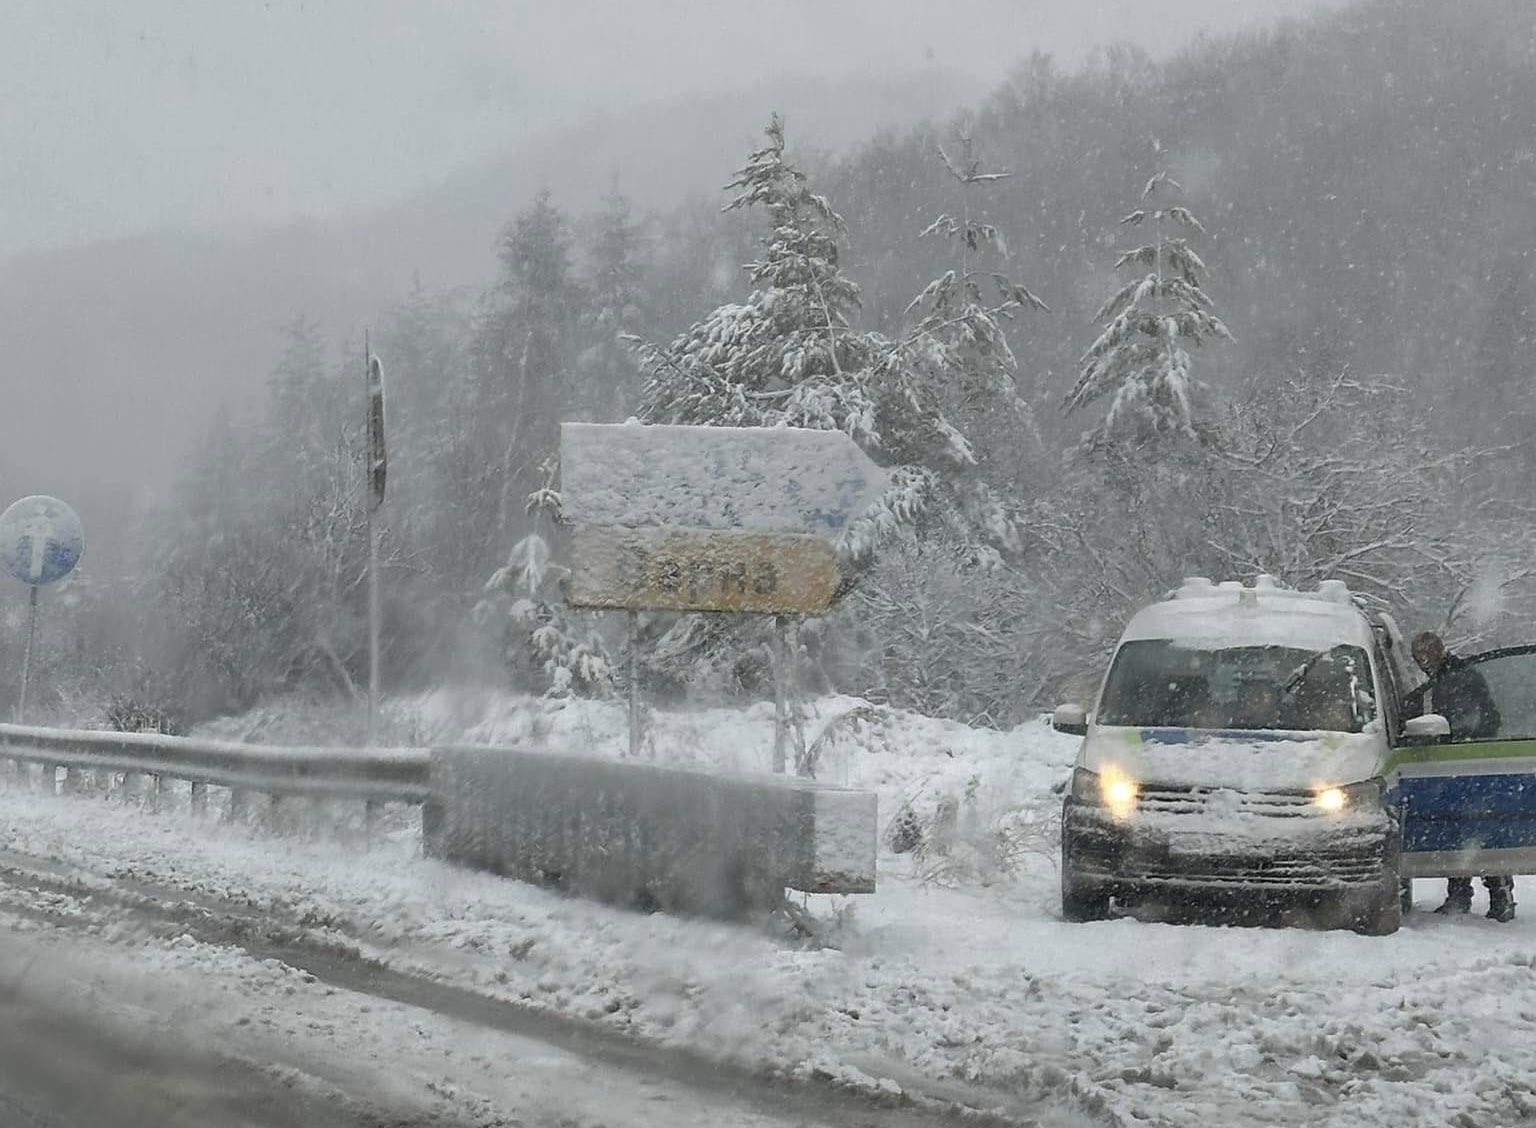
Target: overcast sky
(116, 118)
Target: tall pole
(373, 384)
(373, 627)
(26, 658)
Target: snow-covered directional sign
(710, 518)
(41, 540)
(701, 570)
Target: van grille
(1213, 800)
(1309, 869)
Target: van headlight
(1111, 788)
(1363, 796)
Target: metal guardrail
(665, 837)
(375, 775)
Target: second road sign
(40, 540)
(702, 570)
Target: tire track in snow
(63, 1072)
(65, 896)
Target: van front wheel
(1381, 917)
(1377, 914)
(1077, 907)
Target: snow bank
(964, 983)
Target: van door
(1469, 806)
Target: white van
(1241, 744)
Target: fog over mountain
(404, 140)
(165, 114)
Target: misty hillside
(126, 347)
(1365, 181)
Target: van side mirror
(1070, 719)
(1431, 728)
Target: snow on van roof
(1229, 614)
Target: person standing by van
(1461, 695)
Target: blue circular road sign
(41, 540)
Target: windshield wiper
(1293, 683)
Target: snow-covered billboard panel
(763, 479)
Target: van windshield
(1167, 683)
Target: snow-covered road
(956, 980)
(204, 1008)
(243, 1043)
(62, 1070)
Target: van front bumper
(1321, 855)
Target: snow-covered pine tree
(787, 355)
(1141, 359)
(790, 355)
(605, 370)
(435, 430)
(523, 356)
(926, 612)
(955, 366)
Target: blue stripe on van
(1457, 812)
(1188, 736)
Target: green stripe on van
(1452, 753)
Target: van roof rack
(1201, 587)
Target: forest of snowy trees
(1268, 306)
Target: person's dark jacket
(1460, 695)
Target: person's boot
(1458, 897)
(1501, 902)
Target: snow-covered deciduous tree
(1141, 358)
(546, 644)
(938, 639)
(954, 372)
(1343, 479)
(268, 580)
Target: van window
(1168, 683)
(1511, 680)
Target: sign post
(632, 669)
(730, 519)
(41, 540)
(26, 655)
